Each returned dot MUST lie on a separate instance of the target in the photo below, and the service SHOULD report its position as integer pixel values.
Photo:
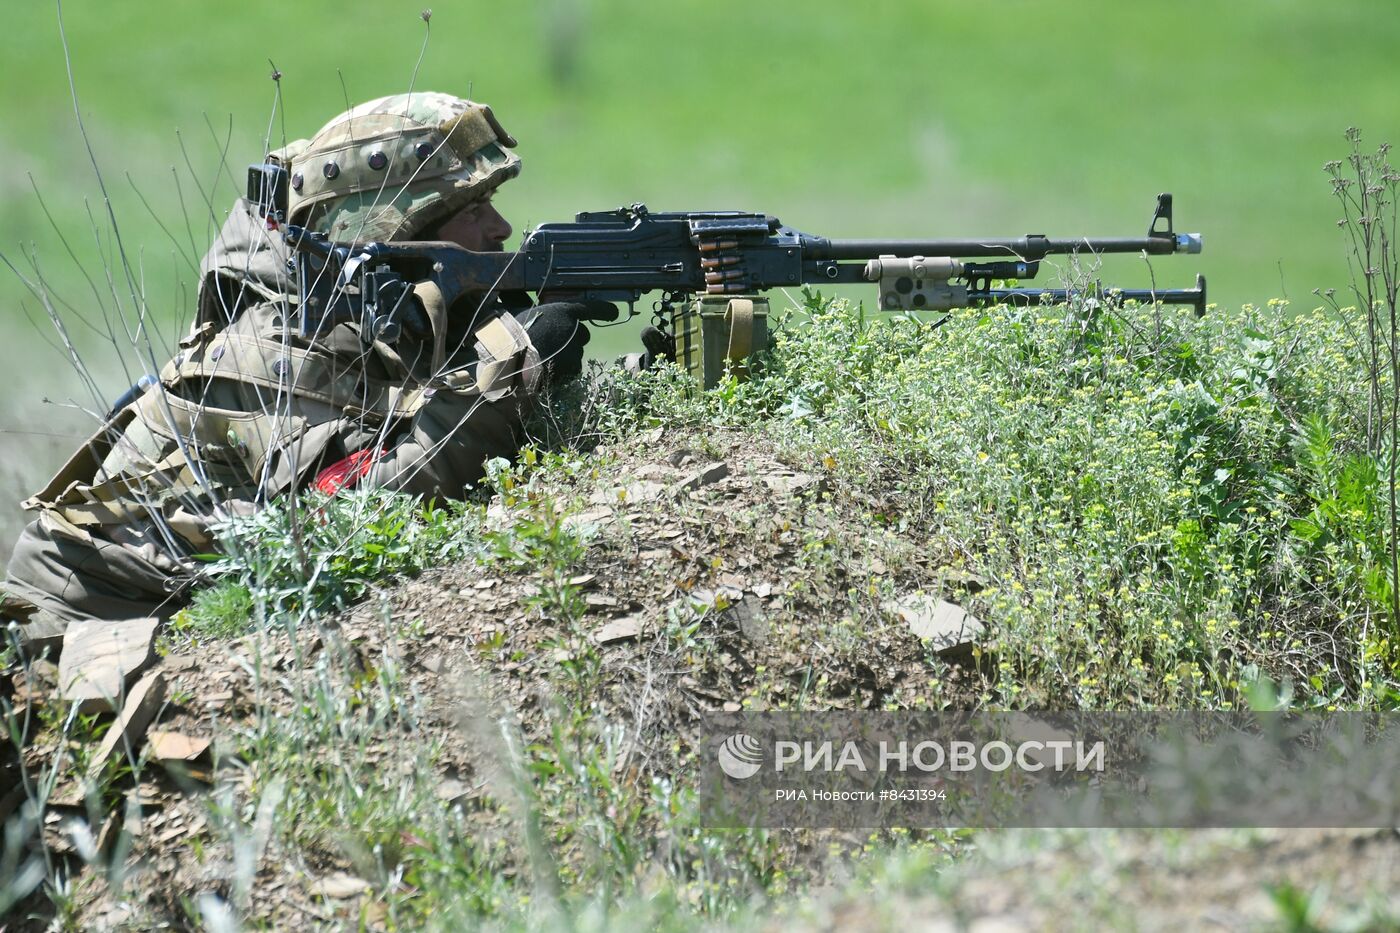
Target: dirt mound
(709, 574)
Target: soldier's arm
(475, 413)
(448, 442)
(466, 417)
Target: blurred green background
(879, 118)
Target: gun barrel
(1027, 247)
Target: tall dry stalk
(1366, 185)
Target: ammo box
(718, 331)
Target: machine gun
(619, 256)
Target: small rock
(99, 658)
(722, 597)
(139, 710)
(653, 471)
(43, 673)
(497, 516)
(28, 691)
(339, 886)
(1027, 729)
(643, 490)
(948, 628)
(583, 579)
(681, 457)
(748, 613)
(452, 791)
(176, 746)
(619, 630)
(69, 794)
(703, 477)
(788, 484)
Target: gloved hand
(557, 331)
(659, 346)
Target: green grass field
(845, 120)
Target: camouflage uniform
(249, 410)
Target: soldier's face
(478, 227)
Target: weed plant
(1168, 508)
(317, 553)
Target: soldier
(249, 410)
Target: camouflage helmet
(391, 167)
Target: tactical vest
(242, 414)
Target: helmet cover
(394, 166)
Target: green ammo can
(718, 331)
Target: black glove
(659, 346)
(557, 331)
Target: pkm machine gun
(715, 262)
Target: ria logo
(740, 756)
